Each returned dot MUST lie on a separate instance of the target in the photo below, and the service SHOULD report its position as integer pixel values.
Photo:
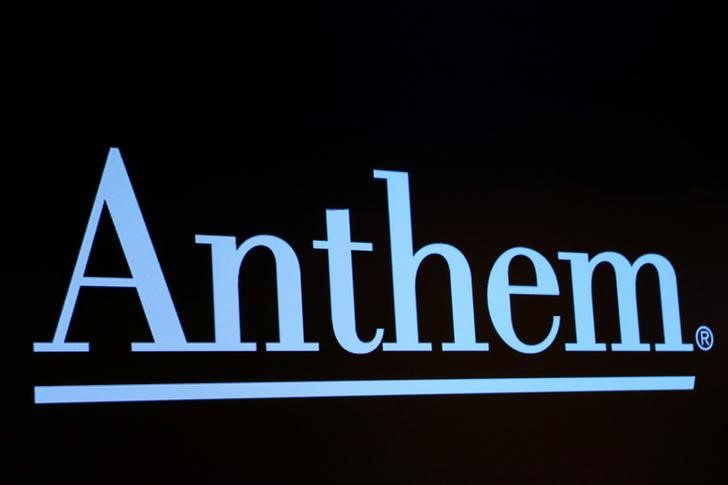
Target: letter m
(582, 270)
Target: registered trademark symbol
(704, 338)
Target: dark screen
(585, 128)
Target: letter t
(341, 281)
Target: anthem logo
(147, 278)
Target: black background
(557, 127)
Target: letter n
(116, 192)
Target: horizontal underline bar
(394, 387)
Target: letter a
(116, 192)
